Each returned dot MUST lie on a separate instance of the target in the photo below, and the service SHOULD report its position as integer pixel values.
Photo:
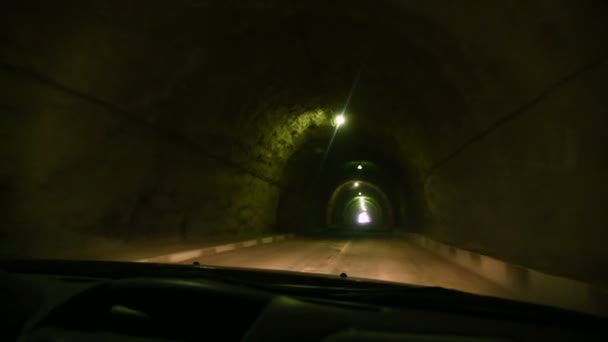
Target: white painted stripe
(195, 253)
(225, 248)
(250, 243)
(178, 257)
(345, 247)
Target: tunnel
(477, 124)
(351, 199)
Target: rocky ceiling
(483, 122)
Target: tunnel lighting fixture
(356, 185)
(360, 167)
(340, 120)
(359, 193)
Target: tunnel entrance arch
(363, 211)
(354, 197)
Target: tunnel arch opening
(363, 211)
(354, 197)
(311, 182)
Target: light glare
(360, 167)
(363, 218)
(340, 120)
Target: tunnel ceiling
(165, 105)
(244, 74)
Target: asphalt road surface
(376, 258)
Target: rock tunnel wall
(130, 121)
(528, 187)
(532, 191)
(72, 171)
(106, 137)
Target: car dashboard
(64, 307)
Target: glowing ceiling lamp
(340, 120)
(360, 167)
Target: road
(377, 258)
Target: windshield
(419, 142)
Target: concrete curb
(195, 253)
(527, 284)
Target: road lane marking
(183, 256)
(225, 248)
(178, 257)
(250, 243)
(345, 247)
(329, 264)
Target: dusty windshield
(421, 142)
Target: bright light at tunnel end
(363, 218)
